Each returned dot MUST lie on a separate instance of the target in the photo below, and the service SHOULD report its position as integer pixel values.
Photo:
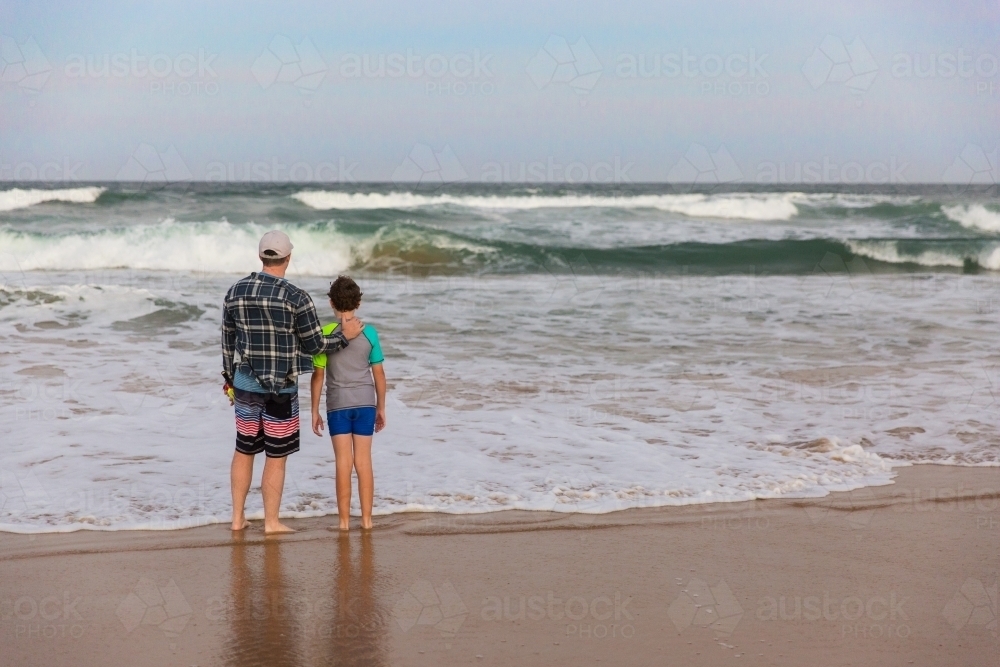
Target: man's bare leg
(343, 452)
(240, 475)
(272, 485)
(366, 480)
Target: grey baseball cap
(274, 245)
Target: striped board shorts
(267, 423)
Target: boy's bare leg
(366, 480)
(343, 452)
(240, 475)
(272, 484)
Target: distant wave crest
(18, 198)
(737, 206)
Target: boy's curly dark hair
(345, 294)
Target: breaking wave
(18, 198)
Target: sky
(615, 92)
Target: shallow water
(567, 387)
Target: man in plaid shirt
(270, 331)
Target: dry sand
(897, 575)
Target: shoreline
(985, 498)
(201, 522)
(899, 574)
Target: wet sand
(904, 574)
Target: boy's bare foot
(239, 524)
(277, 529)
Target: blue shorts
(356, 421)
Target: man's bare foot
(278, 529)
(239, 524)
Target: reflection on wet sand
(359, 627)
(327, 616)
(262, 611)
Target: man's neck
(276, 271)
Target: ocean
(571, 348)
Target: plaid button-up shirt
(271, 326)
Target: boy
(355, 401)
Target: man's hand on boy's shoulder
(352, 328)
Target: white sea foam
(18, 198)
(216, 246)
(322, 249)
(737, 206)
(888, 251)
(974, 216)
(115, 419)
(990, 258)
